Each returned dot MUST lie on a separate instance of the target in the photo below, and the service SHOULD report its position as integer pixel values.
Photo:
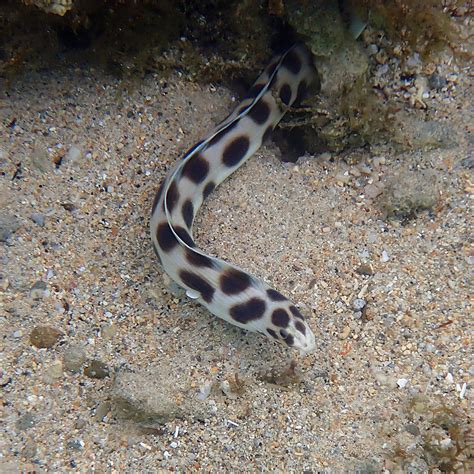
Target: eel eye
(283, 333)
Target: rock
(25, 422)
(8, 226)
(38, 219)
(412, 429)
(109, 331)
(40, 159)
(413, 64)
(38, 289)
(30, 449)
(402, 383)
(339, 59)
(410, 132)
(96, 369)
(358, 304)
(75, 444)
(45, 336)
(365, 269)
(74, 358)
(73, 155)
(437, 82)
(69, 206)
(151, 397)
(102, 410)
(54, 372)
(409, 192)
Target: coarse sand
(134, 377)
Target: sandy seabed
(388, 300)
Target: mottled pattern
(227, 291)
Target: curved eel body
(225, 290)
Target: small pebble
(37, 291)
(75, 444)
(96, 369)
(74, 358)
(102, 410)
(80, 424)
(38, 219)
(109, 330)
(365, 269)
(8, 226)
(372, 49)
(54, 372)
(73, 154)
(345, 332)
(358, 304)
(45, 337)
(402, 383)
(26, 422)
(384, 257)
(437, 82)
(69, 206)
(412, 429)
(30, 450)
(446, 443)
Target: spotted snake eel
(224, 289)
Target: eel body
(225, 290)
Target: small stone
(25, 422)
(345, 332)
(232, 387)
(96, 369)
(8, 226)
(173, 444)
(45, 336)
(365, 269)
(109, 331)
(367, 314)
(38, 219)
(342, 178)
(80, 424)
(73, 155)
(74, 358)
(40, 160)
(151, 397)
(372, 49)
(4, 282)
(102, 410)
(18, 334)
(69, 206)
(412, 429)
(384, 380)
(75, 444)
(413, 64)
(402, 382)
(372, 191)
(384, 257)
(30, 449)
(446, 443)
(54, 372)
(38, 289)
(358, 304)
(204, 390)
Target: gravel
(157, 360)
